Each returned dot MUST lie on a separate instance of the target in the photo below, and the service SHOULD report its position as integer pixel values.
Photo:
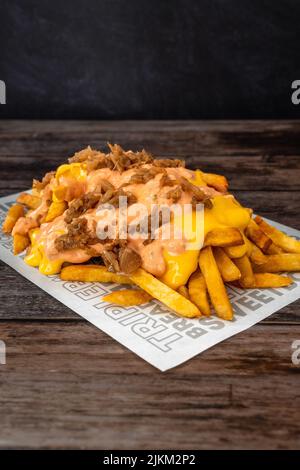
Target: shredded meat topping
(174, 194)
(129, 260)
(118, 159)
(39, 185)
(81, 205)
(198, 195)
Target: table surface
(68, 385)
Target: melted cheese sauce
(169, 259)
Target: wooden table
(68, 385)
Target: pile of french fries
(249, 260)
(228, 257)
(252, 259)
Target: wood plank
(259, 154)
(70, 386)
(263, 173)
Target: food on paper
(127, 218)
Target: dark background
(149, 59)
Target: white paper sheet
(152, 331)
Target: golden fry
(14, 213)
(287, 243)
(247, 276)
(256, 255)
(229, 271)
(278, 263)
(198, 292)
(92, 273)
(20, 243)
(248, 244)
(183, 290)
(258, 236)
(236, 251)
(165, 294)
(228, 236)
(274, 249)
(56, 209)
(219, 182)
(29, 200)
(127, 297)
(215, 285)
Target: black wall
(149, 58)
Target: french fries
(245, 268)
(219, 182)
(289, 244)
(183, 290)
(215, 285)
(274, 249)
(279, 263)
(92, 273)
(14, 213)
(236, 251)
(29, 200)
(258, 236)
(198, 292)
(55, 210)
(256, 255)
(229, 271)
(127, 297)
(268, 280)
(227, 236)
(160, 291)
(20, 243)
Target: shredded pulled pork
(174, 194)
(78, 206)
(39, 185)
(198, 195)
(77, 236)
(90, 200)
(118, 159)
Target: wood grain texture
(67, 384)
(70, 386)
